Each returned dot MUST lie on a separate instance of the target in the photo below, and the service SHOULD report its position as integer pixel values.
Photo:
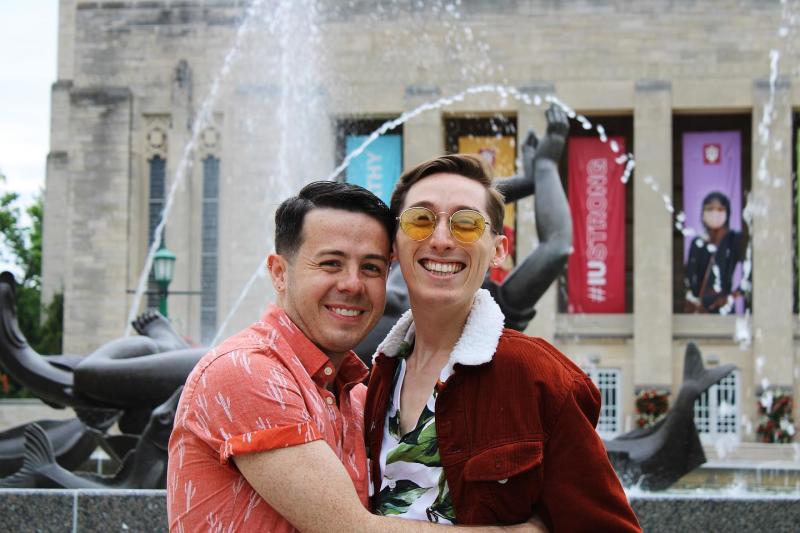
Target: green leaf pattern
(396, 500)
(414, 483)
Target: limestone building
(234, 104)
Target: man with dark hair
(268, 434)
(325, 194)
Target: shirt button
(328, 371)
(329, 400)
(503, 481)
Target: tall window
(716, 411)
(609, 383)
(208, 274)
(158, 170)
(712, 163)
(376, 168)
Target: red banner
(596, 269)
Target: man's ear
(500, 250)
(277, 267)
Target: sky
(28, 47)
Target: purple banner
(712, 182)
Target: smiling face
(334, 287)
(440, 270)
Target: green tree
(22, 243)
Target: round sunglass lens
(418, 223)
(467, 226)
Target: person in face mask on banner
(712, 260)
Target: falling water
(201, 121)
(502, 91)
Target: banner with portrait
(714, 244)
(500, 152)
(378, 167)
(596, 268)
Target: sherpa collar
(477, 343)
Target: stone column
(98, 218)
(771, 231)
(652, 235)
(66, 39)
(423, 136)
(182, 231)
(55, 253)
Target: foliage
(775, 422)
(651, 406)
(22, 246)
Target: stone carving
(656, 457)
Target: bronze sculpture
(144, 467)
(656, 457)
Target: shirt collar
(477, 343)
(316, 363)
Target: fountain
(290, 68)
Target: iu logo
(489, 155)
(711, 153)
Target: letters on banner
(596, 268)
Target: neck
(716, 235)
(336, 358)
(438, 329)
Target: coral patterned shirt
(262, 389)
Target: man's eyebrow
(429, 205)
(377, 257)
(340, 253)
(330, 251)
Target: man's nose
(441, 237)
(350, 281)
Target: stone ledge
(145, 510)
(65, 510)
(664, 513)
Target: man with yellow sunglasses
(468, 422)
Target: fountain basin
(145, 511)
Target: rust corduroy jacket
(516, 428)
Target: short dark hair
(325, 194)
(469, 166)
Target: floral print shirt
(262, 389)
(414, 484)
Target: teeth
(444, 268)
(346, 312)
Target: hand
(552, 145)
(693, 307)
(528, 155)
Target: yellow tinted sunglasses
(419, 223)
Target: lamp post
(163, 269)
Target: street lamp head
(163, 266)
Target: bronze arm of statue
(525, 285)
(518, 294)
